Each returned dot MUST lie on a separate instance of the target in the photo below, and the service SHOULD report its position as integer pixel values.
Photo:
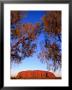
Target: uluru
(35, 74)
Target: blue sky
(31, 63)
(33, 17)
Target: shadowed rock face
(36, 74)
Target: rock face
(36, 74)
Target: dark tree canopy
(52, 25)
(24, 35)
